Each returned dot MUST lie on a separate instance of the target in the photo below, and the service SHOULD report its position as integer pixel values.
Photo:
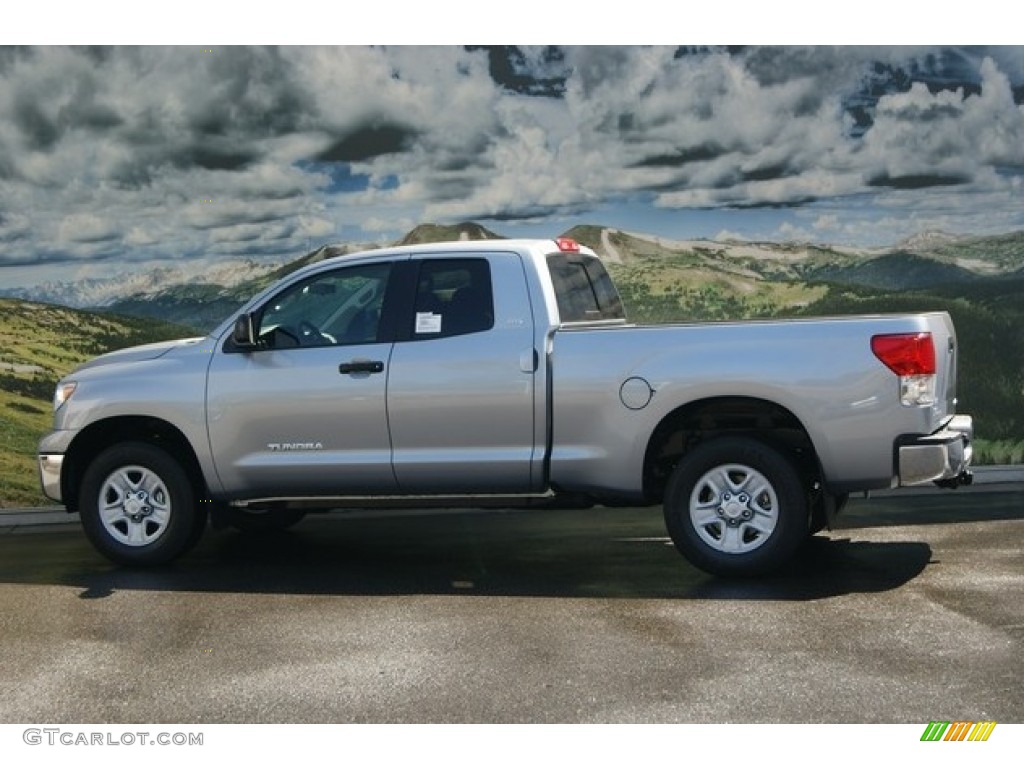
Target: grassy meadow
(39, 343)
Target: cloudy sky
(136, 155)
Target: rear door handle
(362, 366)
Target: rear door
(461, 382)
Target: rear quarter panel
(822, 371)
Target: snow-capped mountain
(105, 291)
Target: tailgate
(946, 352)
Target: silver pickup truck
(501, 373)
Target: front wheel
(736, 507)
(138, 505)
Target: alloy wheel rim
(734, 509)
(134, 506)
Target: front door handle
(362, 366)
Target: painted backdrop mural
(170, 182)
(163, 154)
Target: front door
(305, 414)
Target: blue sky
(131, 156)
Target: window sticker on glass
(428, 322)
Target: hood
(136, 354)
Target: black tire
(261, 521)
(138, 506)
(736, 506)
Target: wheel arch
(691, 424)
(97, 437)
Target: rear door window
(453, 297)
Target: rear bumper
(943, 457)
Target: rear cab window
(583, 289)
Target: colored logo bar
(960, 730)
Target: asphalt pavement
(911, 611)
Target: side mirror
(244, 335)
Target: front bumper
(50, 465)
(943, 457)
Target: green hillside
(897, 271)
(979, 281)
(988, 316)
(1001, 252)
(39, 343)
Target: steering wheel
(311, 336)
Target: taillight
(567, 244)
(905, 354)
(911, 356)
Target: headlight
(64, 391)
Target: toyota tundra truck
(501, 373)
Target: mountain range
(746, 271)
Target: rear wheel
(736, 506)
(138, 506)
